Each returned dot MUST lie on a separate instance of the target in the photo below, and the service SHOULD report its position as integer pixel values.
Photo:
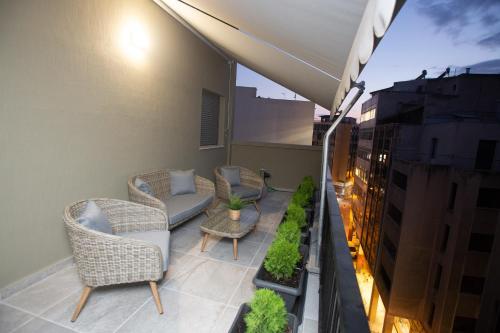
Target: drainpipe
(324, 163)
(228, 131)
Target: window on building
(367, 115)
(485, 154)
(437, 277)
(489, 198)
(472, 285)
(394, 213)
(434, 144)
(481, 242)
(385, 277)
(366, 134)
(464, 325)
(211, 133)
(390, 247)
(399, 179)
(453, 194)
(444, 240)
(430, 317)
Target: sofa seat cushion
(184, 206)
(160, 238)
(245, 192)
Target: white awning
(314, 48)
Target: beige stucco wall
(78, 116)
(288, 164)
(271, 120)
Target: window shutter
(210, 107)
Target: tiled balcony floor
(201, 293)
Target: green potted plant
(283, 269)
(235, 205)
(304, 197)
(266, 313)
(297, 214)
(290, 231)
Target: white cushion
(160, 238)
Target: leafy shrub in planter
(268, 313)
(301, 198)
(282, 259)
(296, 213)
(289, 231)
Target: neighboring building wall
(341, 151)
(271, 120)
(77, 117)
(362, 161)
(343, 146)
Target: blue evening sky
(426, 34)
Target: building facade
(431, 221)
(362, 161)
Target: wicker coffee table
(219, 224)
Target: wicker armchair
(106, 259)
(160, 182)
(248, 178)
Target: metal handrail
(324, 162)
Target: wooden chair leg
(204, 243)
(156, 296)
(81, 303)
(235, 248)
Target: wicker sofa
(178, 208)
(136, 251)
(250, 189)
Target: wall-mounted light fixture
(134, 40)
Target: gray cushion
(245, 191)
(160, 238)
(182, 182)
(184, 206)
(143, 186)
(231, 174)
(93, 218)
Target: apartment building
(343, 147)
(430, 228)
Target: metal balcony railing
(340, 305)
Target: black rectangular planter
(309, 215)
(244, 309)
(289, 294)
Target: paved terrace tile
(201, 293)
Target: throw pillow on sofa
(144, 187)
(231, 174)
(94, 218)
(182, 182)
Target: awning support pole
(324, 163)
